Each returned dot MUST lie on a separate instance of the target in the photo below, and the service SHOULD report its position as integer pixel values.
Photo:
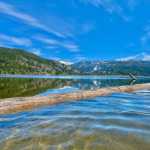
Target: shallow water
(115, 122)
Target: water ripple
(118, 120)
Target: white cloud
(65, 62)
(36, 52)
(142, 56)
(70, 46)
(12, 40)
(26, 18)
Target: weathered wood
(12, 105)
(132, 76)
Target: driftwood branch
(12, 105)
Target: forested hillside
(16, 61)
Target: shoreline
(70, 76)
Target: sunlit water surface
(114, 122)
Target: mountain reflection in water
(18, 87)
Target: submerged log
(11, 105)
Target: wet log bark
(11, 105)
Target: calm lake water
(120, 121)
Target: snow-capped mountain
(120, 67)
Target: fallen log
(11, 105)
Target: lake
(120, 121)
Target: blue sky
(74, 30)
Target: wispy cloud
(12, 40)
(57, 26)
(146, 35)
(109, 6)
(132, 4)
(69, 45)
(26, 18)
(79, 57)
(51, 47)
(141, 56)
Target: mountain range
(17, 61)
(136, 67)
